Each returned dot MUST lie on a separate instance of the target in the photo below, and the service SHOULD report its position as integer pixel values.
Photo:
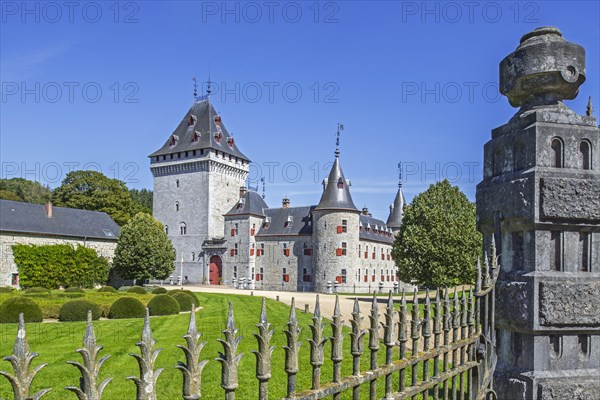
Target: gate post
(539, 197)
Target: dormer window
(340, 184)
(218, 137)
(173, 140)
(192, 120)
(196, 136)
(289, 221)
(230, 143)
(217, 119)
(241, 203)
(267, 222)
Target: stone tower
(397, 207)
(335, 220)
(540, 198)
(197, 177)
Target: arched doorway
(215, 270)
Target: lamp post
(181, 273)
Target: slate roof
(20, 217)
(334, 198)
(367, 220)
(200, 121)
(395, 218)
(301, 221)
(253, 204)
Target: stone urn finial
(543, 70)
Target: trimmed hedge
(159, 290)
(127, 307)
(196, 301)
(74, 289)
(136, 290)
(107, 289)
(185, 300)
(37, 290)
(163, 304)
(76, 310)
(12, 307)
(6, 289)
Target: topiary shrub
(185, 300)
(159, 290)
(137, 290)
(76, 310)
(11, 308)
(196, 301)
(163, 304)
(8, 289)
(107, 289)
(32, 290)
(67, 295)
(127, 307)
(74, 289)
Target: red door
(215, 270)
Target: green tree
(438, 243)
(91, 190)
(25, 190)
(144, 251)
(143, 199)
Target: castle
(225, 233)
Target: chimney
(243, 191)
(285, 203)
(48, 208)
(365, 211)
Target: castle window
(497, 162)
(176, 182)
(585, 244)
(289, 221)
(557, 153)
(193, 152)
(167, 229)
(555, 346)
(171, 156)
(157, 158)
(196, 136)
(517, 344)
(344, 248)
(164, 157)
(183, 228)
(344, 225)
(193, 256)
(584, 345)
(235, 271)
(236, 229)
(186, 154)
(235, 249)
(176, 206)
(517, 250)
(253, 230)
(340, 183)
(519, 156)
(344, 276)
(178, 155)
(585, 148)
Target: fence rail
(452, 354)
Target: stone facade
(540, 199)
(8, 268)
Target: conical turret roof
(336, 194)
(396, 210)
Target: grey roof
(364, 234)
(397, 210)
(30, 218)
(253, 204)
(334, 197)
(301, 221)
(200, 121)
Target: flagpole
(181, 273)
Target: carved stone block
(559, 390)
(569, 303)
(570, 199)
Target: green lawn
(56, 343)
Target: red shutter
(252, 232)
(366, 254)
(339, 229)
(383, 256)
(338, 279)
(258, 277)
(232, 232)
(373, 278)
(286, 278)
(232, 252)
(366, 278)
(307, 278)
(286, 252)
(338, 252)
(373, 257)
(251, 252)
(382, 278)
(388, 257)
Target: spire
(397, 208)
(208, 87)
(589, 108)
(336, 192)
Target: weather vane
(337, 139)
(400, 175)
(195, 87)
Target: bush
(6, 289)
(74, 289)
(136, 290)
(159, 290)
(76, 310)
(37, 290)
(11, 308)
(127, 307)
(185, 300)
(192, 294)
(71, 295)
(163, 304)
(107, 289)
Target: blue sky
(103, 84)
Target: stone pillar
(540, 198)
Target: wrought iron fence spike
(193, 366)
(229, 358)
(146, 383)
(263, 355)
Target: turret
(394, 221)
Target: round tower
(335, 227)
